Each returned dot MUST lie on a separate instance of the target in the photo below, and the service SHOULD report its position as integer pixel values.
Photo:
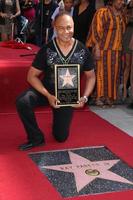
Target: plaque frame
(68, 90)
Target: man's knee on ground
(60, 137)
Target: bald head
(63, 14)
(64, 25)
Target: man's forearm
(89, 86)
(36, 83)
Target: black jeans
(27, 102)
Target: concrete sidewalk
(120, 116)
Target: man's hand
(81, 103)
(53, 101)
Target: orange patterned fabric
(107, 31)
(107, 73)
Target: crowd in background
(104, 26)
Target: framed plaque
(67, 84)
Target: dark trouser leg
(131, 76)
(127, 71)
(62, 118)
(25, 104)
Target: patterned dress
(7, 27)
(107, 31)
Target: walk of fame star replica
(67, 84)
(84, 171)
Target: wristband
(85, 98)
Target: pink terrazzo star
(86, 171)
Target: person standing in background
(26, 20)
(9, 10)
(99, 4)
(28, 8)
(105, 38)
(131, 78)
(68, 7)
(128, 53)
(43, 22)
(82, 15)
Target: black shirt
(82, 22)
(50, 54)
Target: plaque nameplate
(67, 84)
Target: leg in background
(4, 37)
(127, 70)
(131, 76)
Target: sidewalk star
(85, 171)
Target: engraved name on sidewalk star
(67, 78)
(86, 171)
